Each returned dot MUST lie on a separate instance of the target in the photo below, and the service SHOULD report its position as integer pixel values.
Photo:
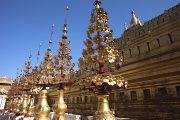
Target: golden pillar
(18, 105)
(30, 108)
(42, 109)
(60, 107)
(23, 107)
(103, 112)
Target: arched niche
(164, 40)
(126, 53)
(153, 44)
(134, 51)
(143, 48)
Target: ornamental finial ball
(67, 8)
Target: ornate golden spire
(47, 66)
(64, 72)
(63, 65)
(50, 41)
(100, 38)
(97, 3)
(133, 20)
(99, 50)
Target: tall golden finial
(67, 8)
(28, 70)
(64, 73)
(38, 56)
(50, 40)
(32, 81)
(47, 67)
(30, 54)
(45, 75)
(64, 67)
(99, 51)
(65, 24)
(97, 3)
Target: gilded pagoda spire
(133, 20)
(97, 3)
(64, 72)
(99, 50)
(64, 36)
(45, 76)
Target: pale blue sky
(26, 23)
